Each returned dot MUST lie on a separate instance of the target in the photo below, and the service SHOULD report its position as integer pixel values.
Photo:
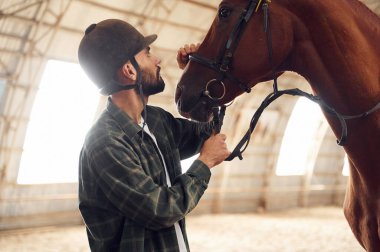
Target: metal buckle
(207, 92)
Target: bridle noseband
(222, 67)
(222, 64)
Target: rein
(242, 145)
(222, 67)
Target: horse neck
(337, 49)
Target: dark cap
(106, 46)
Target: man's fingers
(223, 136)
(182, 51)
(192, 48)
(188, 49)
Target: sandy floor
(300, 230)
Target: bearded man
(132, 193)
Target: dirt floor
(298, 230)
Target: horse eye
(224, 12)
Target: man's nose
(158, 60)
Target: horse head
(234, 56)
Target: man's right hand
(183, 54)
(214, 150)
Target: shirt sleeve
(189, 135)
(126, 184)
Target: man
(132, 195)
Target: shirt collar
(126, 123)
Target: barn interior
(292, 168)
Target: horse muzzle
(196, 108)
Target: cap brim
(146, 42)
(150, 39)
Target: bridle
(222, 67)
(222, 63)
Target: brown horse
(334, 45)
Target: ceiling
(32, 31)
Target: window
(301, 131)
(2, 91)
(63, 110)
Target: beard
(152, 83)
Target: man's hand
(183, 54)
(214, 150)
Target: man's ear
(128, 71)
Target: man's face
(151, 80)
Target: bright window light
(300, 133)
(2, 87)
(346, 168)
(2, 91)
(63, 111)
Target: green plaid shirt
(123, 196)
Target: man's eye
(224, 12)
